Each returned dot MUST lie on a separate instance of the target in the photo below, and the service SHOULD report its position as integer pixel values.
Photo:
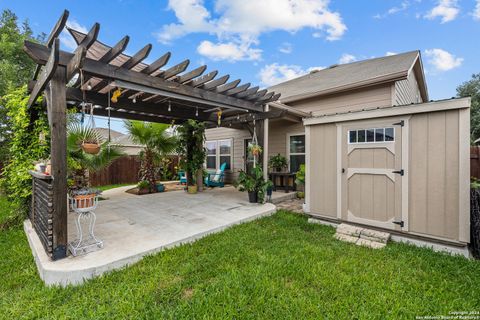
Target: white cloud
(274, 73)
(243, 21)
(393, 10)
(286, 48)
(228, 51)
(347, 58)
(476, 12)
(447, 10)
(390, 53)
(66, 38)
(442, 60)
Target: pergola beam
(179, 112)
(39, 53)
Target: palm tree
(157, 142)
(81, 163)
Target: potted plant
(160, 187)
(90, 146)
(85, 197)
(192, 151)
(254, 184)
(255, 149)
(300, 178)
(278, 162)
(246, 182)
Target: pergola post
(265, 144)
(57, 106)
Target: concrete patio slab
(133, 226)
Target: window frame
(218, 154)
(374, 135)
(293, 134)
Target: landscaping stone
(370, 244)
(362, 236)
(294, 205)
(346, 238)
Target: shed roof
(342, 77)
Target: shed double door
(372, 173)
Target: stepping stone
(370, 244)
(349, 230)
(361, 236)
(346, 238)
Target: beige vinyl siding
(407, 91)
(238, 137)
(371, 97)
(323, 167)
(434, 174)
(277, 138)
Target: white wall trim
(265, 144)
(405, 166)
(307, 170)
(464, 175)
(443, 105)
(339, 170)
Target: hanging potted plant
(255, 149)
(278, 162)
(90, 146)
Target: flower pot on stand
(160, 187)
(85, 201)
(252, 197)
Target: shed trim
(441, 105)
(464, 175)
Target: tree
(16, 68)
(157, 142)
(471, 88)
(80, 163)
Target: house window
(296, 148)
(219, 152)
(374, 135)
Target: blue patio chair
(215, 179)
(182, 177)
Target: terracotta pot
(85, 201)
(192, 189)
(91, 148)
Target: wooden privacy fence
(475, 162)
(124, 170)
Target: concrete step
(362, 236)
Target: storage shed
(403, 168)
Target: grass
(278, 267)
(113, 186)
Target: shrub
(28, 144)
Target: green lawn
(112, 186)
(278, 267)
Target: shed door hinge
(401, 123)
(400, 223)
(400, 172)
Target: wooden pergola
(149, 92)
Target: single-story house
(377, 151)
(122, 140)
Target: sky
(268, 41)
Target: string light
(134, 99)
(196, 112)
(169, 106)
(89, 86)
